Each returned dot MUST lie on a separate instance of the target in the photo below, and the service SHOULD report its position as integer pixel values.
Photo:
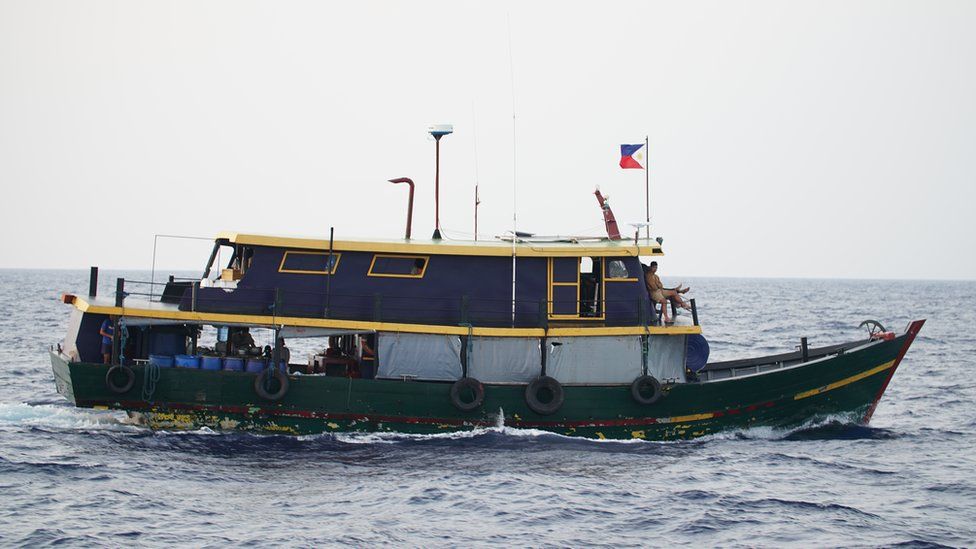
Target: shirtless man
(660, 294)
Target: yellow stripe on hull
(843, 382)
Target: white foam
(47, 416)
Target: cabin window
(398, 266)
(617, 271)
(309, 263)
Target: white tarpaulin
(594, 360)
(420, 356)
(666, 357)
(504, 359)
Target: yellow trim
(683, 419)
(606, 248)
(258, 320)
(843, 382)
(621, 279)
(281, 267)
(426, 259)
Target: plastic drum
(255, 365)
(187, 361)
(163, 361)
(210, 362)
(234, 364)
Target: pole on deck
(330, 268)
(119, 291)
(647, 183)
(93, 282)
(804, 350)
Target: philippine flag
(631, 156)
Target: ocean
(80, 477)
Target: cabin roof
(524, 248)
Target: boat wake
(60, 418)
(50, 417)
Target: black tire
(130, 379)
(262, 391)
(544, 386)
(461, 387)
(638, 389)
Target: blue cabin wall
(454, 290)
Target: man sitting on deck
(660, 294)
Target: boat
(436, 335)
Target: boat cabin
(597, 282)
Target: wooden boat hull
(846, 386)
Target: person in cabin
(284, 353)
(241, 340)
(107, 331)
(418, 267)
(333, 351)
(660, 294)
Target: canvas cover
(594, 360)
(666, 357)
(504, 359)
(420, 356)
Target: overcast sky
(800, 139)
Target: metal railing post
(93, 282)
(119, 291)
(694, 312)
(193, 295)
(465, 308)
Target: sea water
(83, 477)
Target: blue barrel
(255, 365)
(163, 361)
(234, 364)
(187, 361)
(210, 362)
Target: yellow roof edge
(616, 248)
(261, 320)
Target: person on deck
(660, 294)
(284, 353)
(107, 331)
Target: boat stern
(62, 376)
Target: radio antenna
(511, 71)
(477, 199)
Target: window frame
(421, 274)
(607, 278)
(335, 265)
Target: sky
(787, 139)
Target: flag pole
(647, 183)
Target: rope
(123, 338)
(149, 378)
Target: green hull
(847, 385)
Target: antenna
(511, 72)
(438, 131)
(477, 199)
